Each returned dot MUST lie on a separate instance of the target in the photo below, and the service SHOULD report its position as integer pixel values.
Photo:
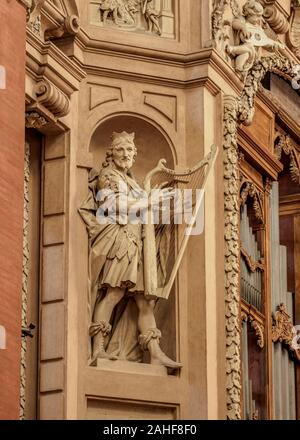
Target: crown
(121, 137)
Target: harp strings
(176, 232)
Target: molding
(262, 158)
(25, 279)
(289, 205)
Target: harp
(191, 179)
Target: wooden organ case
(270, 262)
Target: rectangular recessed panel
(99, 409)
(53, 331)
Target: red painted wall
(12, 101)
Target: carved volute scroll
(155, 17)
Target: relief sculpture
(252, 34)
(148, 16)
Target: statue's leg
(115, 16)
(105, 15)
(101, 327)
(150, 335)
(156, 24)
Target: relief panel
(155, 17)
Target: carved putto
(246, 34)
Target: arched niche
(152, 145)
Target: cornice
(282, 113)
(48, 49)
(263, 159)
(173, 59)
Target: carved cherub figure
(251, 37)
(152, 15)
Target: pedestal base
(131, 367)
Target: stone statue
(151, 16)
(122, 322)
(251, 37)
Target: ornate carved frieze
(285, 144)
(153, 16)
(283, 330)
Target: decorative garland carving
(277, 64)
(25, 279)
(284, 144)
(239, 110)
(232, 258)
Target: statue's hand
(245, 34)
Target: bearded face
(123, 154)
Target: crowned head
(122, 151)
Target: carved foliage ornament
(283, 330)
(257, 327)
(249, 190)
(286, 145)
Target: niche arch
(152, 144)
